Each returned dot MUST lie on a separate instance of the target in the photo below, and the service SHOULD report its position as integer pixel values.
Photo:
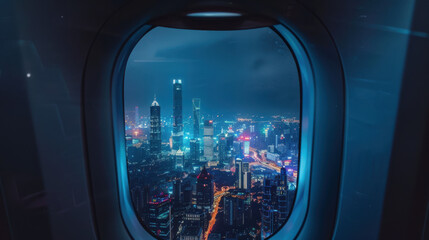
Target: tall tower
(242, 175)
(155, 129)
(208, 140)
(196, 104)
(177, 115)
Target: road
(217, 197)
(262, 161)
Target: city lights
(206, 161)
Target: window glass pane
(212, 132)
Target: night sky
(244, 71)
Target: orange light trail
(218, 196)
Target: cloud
(231, 71)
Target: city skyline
(194, 203)
(215, 154)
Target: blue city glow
(222, 133)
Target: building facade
(177, 115)
(155, 129)
(196, 105)
(208, 140)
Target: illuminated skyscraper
(246, 147)
(196, 103)
(177, 115)
(155, 129)
(208, 140)
(242, 174)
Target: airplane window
(212, 123)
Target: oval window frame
(100, 85)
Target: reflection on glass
(212, 133)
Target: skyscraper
(247, 176)
(179, 159)
(239, 173)
(275, 203)
(205, 188)
(177, 115)
(282, 188)
(242, 175)
(194, 150)
(269, 212)
(223, 149)
(196, 102)
(236, 207)
(246, 147)
(160, 218)
(155, 129)
(208, 140)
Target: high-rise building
(269, 212)
(196, 104)
(177, 115)
(208, 140)
(179, 158)
(230, 139)
(177, 192)
(275, 203)
(237, 147)
(238, 173)
(187, 193)
(205, 190)
(236, 207)
(242, 175)
(155, 129)
(246, 147)
(159, 217)
(247, 176)
(194, 150)
(282, 190)
(223, 149)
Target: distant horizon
(225, 115)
